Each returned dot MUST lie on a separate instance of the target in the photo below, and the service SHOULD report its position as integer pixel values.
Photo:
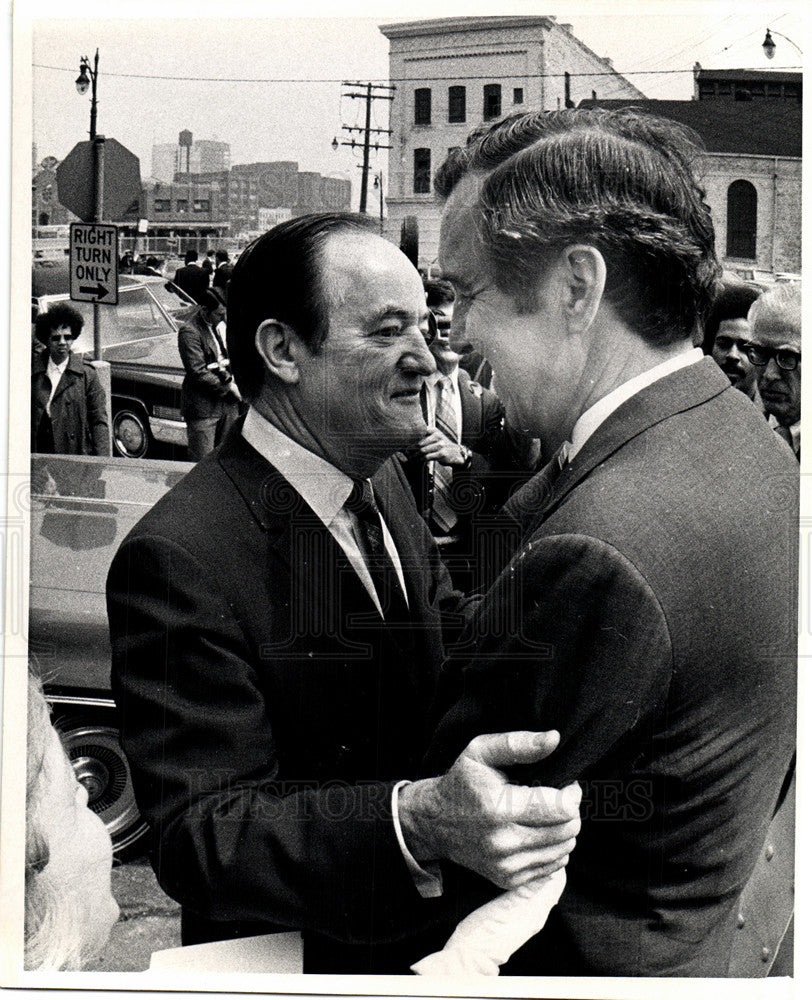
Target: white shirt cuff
(428, 881)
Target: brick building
(751, 170)
(46, 209)
(451, 74)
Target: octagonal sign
(122, 180)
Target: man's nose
(736, 352)
(420, 360)
(772, 371)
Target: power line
(402, 79)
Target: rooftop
(443, 25)
(764, 127)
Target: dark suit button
(740, 921)
(765, 954)
(769, 851)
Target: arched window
(742, 203)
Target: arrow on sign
(98, 290)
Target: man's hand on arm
(474, 817)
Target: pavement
(149, 921)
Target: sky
(232, 68)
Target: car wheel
(99, 763)
(131, 436)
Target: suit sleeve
(231, 839)
(571, 638)
(194, 361)
(97, 413)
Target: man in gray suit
(649, 611)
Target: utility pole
(368, 94)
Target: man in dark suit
(223, 270)
(649, 612)
(774, 351)
(209, 395)
(467, 464)
(277, 625)
(191, 278)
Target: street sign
(94, 263)
(122, 181)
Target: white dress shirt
(324, 488)
(55, 373)
(591, 419)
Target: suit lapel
(318, 563)
(675, 393)
(70, 375)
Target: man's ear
(585, 276)
(276, 343)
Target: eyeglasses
(58, 338)
(786, 359)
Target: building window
(422, 171)
(492, 103)
(518, 95)
(202, 205)
(742, 203)
(422, 106)
(163, 205)
(182, 205)
(456, 104)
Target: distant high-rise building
(189, 156)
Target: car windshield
(135, 330)
(173, 299)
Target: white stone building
(453, 73)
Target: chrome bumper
(168, 431)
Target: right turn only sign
(94, 263)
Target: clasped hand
(473, 816)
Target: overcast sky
(654, 43)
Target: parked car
(81, 509)
(139, 339)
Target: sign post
(94, 268)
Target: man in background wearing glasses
(775, 350)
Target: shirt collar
(53, 368)
(591, 419)
(794, 430)
(322, 486)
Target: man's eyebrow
(395, 312)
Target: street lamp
(769, 45)
(87, 78)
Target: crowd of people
(564, 758)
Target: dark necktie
(536, 493)
(361, 502)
